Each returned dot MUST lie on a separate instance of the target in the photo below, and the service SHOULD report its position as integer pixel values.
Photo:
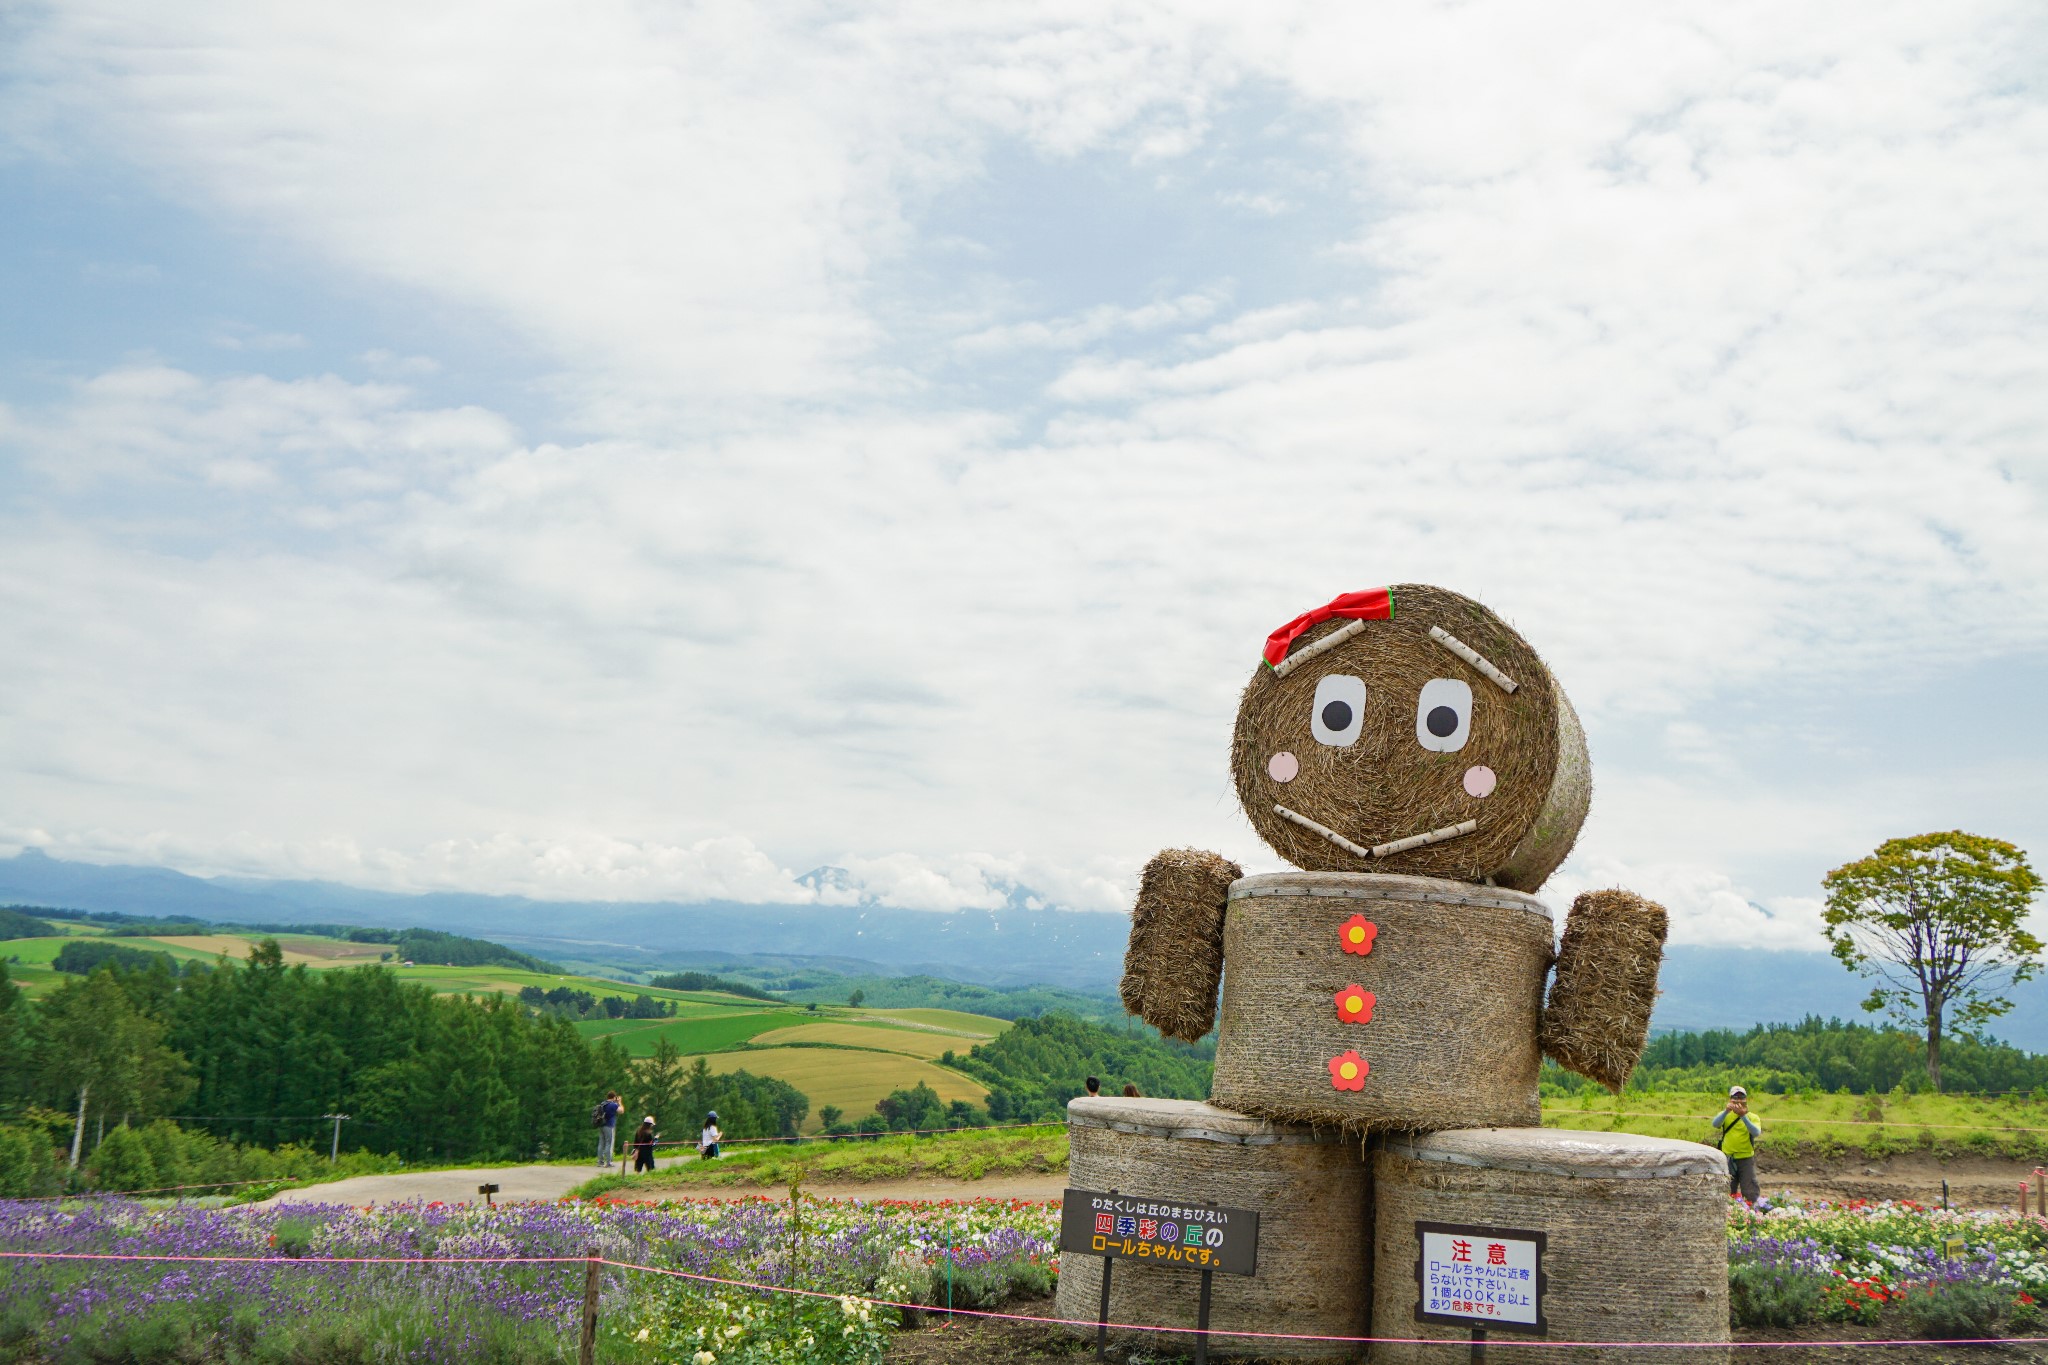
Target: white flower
(703, 1358)
(641, 1335)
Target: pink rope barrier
(760, 1287)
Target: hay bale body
(1457, 975)
(1308, 1189)
(1386, 785)
(1636, 1226)
(1176, 949)
(1598, 1019)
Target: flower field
(435, 1283)
(1920, 1273)
(444, 1283)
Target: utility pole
(334, 1152)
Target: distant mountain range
(1702, 987)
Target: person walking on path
(1735, 1134)
(708, 1140)
(643, 1145)
(606, 1117)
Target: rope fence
(754, 1286)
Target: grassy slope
(969, 1155)
(851, 1080)
(1945, 1124)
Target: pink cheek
(1480, 781)
(1283, 767)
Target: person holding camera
(1735, 1133)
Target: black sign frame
(1234, 1251)
(1541, 1327)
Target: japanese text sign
(1177, 1232)
(1480, 1277)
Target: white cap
(1735, 1090)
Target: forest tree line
(1818, 1054)
(255, 1055)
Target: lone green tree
(1935, 921)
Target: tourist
(643, 1145)
(1736, 1134)
(1130, 1091)
(607, 1117)
(1094, 1084)
(708, 1140)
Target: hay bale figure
(1405, 731)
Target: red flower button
(1354, 1005)
(1356, 935)
(1348, 1071)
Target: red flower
(1354, 1004)
(1356, 934)
(1348, 1071)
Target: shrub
(122, 1162)
(1764, 1295)
(28, 1164)
(1963, 1310)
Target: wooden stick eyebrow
(1307, 652)
(1471, 656)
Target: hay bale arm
(1175, 959)
(1598, 1019)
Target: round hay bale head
(1307, 1187)
(1430, 739)
(1431, 991)
(1636, 1229)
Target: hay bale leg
(1308, 1189)
(1598, 1019)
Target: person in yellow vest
(1735, 1133)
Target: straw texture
(1457, 973)
(1175, 956)
(1598, 1019)
(1386, 786)
(1308, 1190)
(1637, 1238)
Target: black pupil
(1441, 721)
(1337, 715)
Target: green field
(1867, 1125)
(712, 1033)
(971, 1154)
(952, 1021)
(849, 1080)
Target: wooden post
(1202, 1321)
(586, 1351)
(2041, 1191)
(1102, 1317)
(1478, 1346)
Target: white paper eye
(1340, 710)
(1443, 715)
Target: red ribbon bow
(1374, 604)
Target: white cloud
(1699, 346)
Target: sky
(651, 451)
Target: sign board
(1480, 1277)
(1952, 1248)
(1178, 1232)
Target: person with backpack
(1735, 1133)
(605, 1118)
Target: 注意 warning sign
(1480, 1277)
(1175, 1232)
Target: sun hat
(1735, 1090)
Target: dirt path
(1973, 1182)
(515, 1184)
